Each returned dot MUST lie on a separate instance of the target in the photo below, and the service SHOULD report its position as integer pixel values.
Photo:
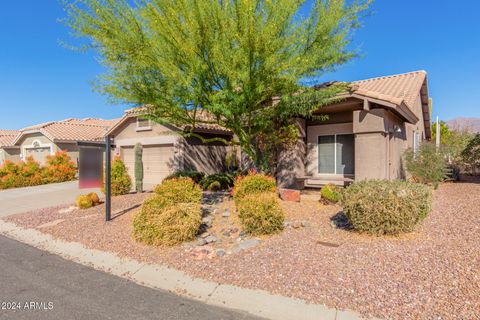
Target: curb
(256, 302)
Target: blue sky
(40, 80)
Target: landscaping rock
(201, 242)
(305, 224)
(289, 195)
(67, 210)
(220, 252)
(247, 244)
(207, 221)
(297, 224)
(211, 239)
(226, 213)
(205, 234)
(287, 224)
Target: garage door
(38, 154)
(157, 161)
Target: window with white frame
(144, 124)
(336, 154)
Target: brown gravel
(433, 273)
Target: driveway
(44, 286)
(20, 200)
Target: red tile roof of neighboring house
(7, 137)
(71, 130)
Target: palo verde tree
(220, 61)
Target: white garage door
(157, 163)
(38, 154)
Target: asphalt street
(39, 285)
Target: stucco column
(291, 164)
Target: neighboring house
(165, 150)
(365, 136)
(7, 150)
(45, 139)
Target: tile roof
(7, 137)
(395, 89)
(201, 116)
(89, 129)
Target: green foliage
(225, 58)
(471, 153)
(84, 202)
(138, 168)
(251, 184)
(179, 190)
(120, 181)
(331, 193)
(217, 181)
(261, 213)
(428, 165)
(196, 176)
(386, 207)
(172, 215)
(453, 142)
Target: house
(45, 139)
(7, 150)
(165, 150)
(365, 136)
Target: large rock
(290, 195)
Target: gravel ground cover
(433, 273)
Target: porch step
(318, 182)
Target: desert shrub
(386, 207)
(160, 223)
(120, 181)
(84, 201)
(217, 181)
(261, 213)
(8, 168)
(253, 183)
(196, 176)
(471, 154)
(331, 193)
(428, 165)
(94, 197)
(59, 168)
(179, 190)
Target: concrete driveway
(26, 199)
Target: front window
(336, 154)
(143, 124)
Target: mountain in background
(461, 123)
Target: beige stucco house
(47, 138)
(165, 150)
(365, 136)
(7, 150)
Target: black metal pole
(108, 192)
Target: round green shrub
(179, 190)
(386, 207)
(214, 186)
(84, 202)
(161, 223)
(261, 213)
(196, 176)
(121, 183)
(253, 184)
(331, 193)
(223, 180)
(94, 197)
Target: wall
(205, 157)
(11, 154)
(70, 148)
(291, 163)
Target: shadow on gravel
(121, 213)
(340, 221)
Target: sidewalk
(255, 302)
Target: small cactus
(138, 168)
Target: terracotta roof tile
(7, 139)
(395, 89)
